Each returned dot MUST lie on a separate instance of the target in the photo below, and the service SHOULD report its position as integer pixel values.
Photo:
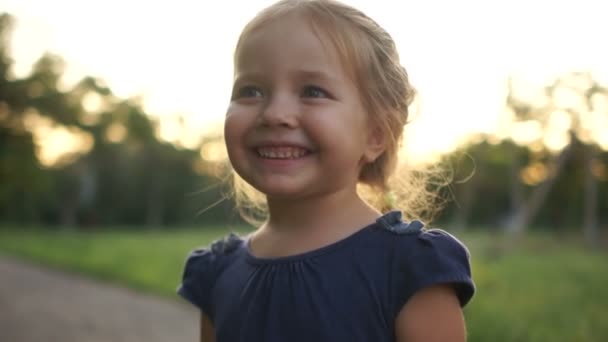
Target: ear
(375, 146)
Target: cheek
(236, 125)
(230, 127)
(352, 126)
(233, 138)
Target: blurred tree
(483, 183)
(126, 175)
(22, 182)
(569, 104)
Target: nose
(280, 110)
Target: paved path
(41, 305)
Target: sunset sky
(177, 54)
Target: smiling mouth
(282, 152)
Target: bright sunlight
(458, 54)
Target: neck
(340, 210)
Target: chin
(283, 192)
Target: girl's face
(296, 127)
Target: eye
(247, 92)
(315, 92)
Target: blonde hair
(370, 55)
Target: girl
(317, 109)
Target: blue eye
(248, 91)
(313, 91)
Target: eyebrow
(314, 74)
(297, 74)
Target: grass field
(543, 290)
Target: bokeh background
(112, 160)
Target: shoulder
(213, 257)
(437, 243)
(416, 244)
(203, 267)
(426, 257)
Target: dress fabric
(351, 290)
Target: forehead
(291, 41)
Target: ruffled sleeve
(427, 258)
(198, 279)
(202, 269)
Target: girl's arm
(207, 331)
(431, 314)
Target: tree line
(122, 173)
(127, 176)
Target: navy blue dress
(351, 290)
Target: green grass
(150, 260)
(551, 295)
(545, 289)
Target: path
(38, 304)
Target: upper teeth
(281, 152)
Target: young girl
(317, 111)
